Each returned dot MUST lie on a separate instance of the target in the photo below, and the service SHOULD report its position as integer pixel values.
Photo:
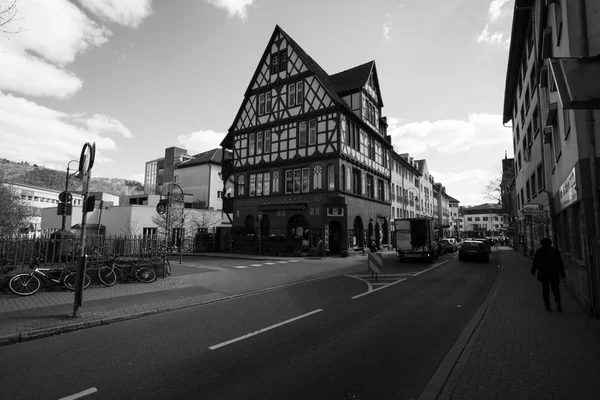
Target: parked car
(473, 249)
(448, 245)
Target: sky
(138, 76)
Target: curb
(440, 380)
(25, 336)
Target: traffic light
(89, 205)
(64, 209)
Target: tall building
(162, 170)
(310, 154)
(552, 94)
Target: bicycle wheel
(167, 267)
(145, 275)
(70, 281)
(107, 276)
(24, 284)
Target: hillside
(22, 172)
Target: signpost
(86, 162)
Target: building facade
(201, 177)
(403, 189)
(426, 196)
(310, 154)
(162, 170)
(551, 97)
(482, 221)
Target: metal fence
(18, 253)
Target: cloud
(233, 7)
(123, 12)
(386, 30)
(199, 141)
(450, 136)
(51, 34)
(461, 154)
(496, 11)
(400, 6)
(34, 133)
(101, 123)
(486, 37)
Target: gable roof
(213, 156)
(355, 78)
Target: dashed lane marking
(268, 328)
(240, 266)
(270, 263)
(80, 394)
(256, 265)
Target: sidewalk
(521, 351)
(192, 283)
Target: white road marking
(432, 267)
(216, 346)
(369, 286)
(80, 394)
(293, 260)
(269, 263)
(281, 262)
(379, 276)
(256, 265)
(240, 266)
(379, 288)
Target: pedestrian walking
(549, 265)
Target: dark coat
(549, 264)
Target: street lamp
(64, 214)
(259, 217)
(167, 228)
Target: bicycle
(26, 284)
(108, 275)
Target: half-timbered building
(308, 154)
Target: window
(259, 143)
(540, 177)
(259, 184)
(476, 218)
(289, 181)
(356, 185)
(380, 190)
(251, 144)
(559, 19)
(348, 180)
(378, 159)
(533, 182)
(267, 141)
(535, 120)
(485, 218)
(312, 131)
(556, 139)
(318, 177)
(305, 180)
(241, 188)
(268, 102)
(275, 182)
(370, 187)
(261, 104)
(219, 194)
(469, 219)
(291, 95)
(302, 134)
(528, 191)
(275, 66)
(330, 177)
(283, 58)
(342, 178)
(297, 180)
(252, 185)
(299, 92)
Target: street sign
(65, 197)
(161, 207)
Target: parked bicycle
(109, 275)
(26, 284)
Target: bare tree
(492, 190)
(15, 212)
(8, 12)
(205, 218)
(130, 227)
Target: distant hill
(35, 175)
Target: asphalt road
(310, 341)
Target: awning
(577, 81)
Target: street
(316, 340)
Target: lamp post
(167, 221)
(259, 217)
(63, 225)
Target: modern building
(40, 198)
(310, 154)
(552, 94)
(162, 170)
(200, 176)
(482, 221)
